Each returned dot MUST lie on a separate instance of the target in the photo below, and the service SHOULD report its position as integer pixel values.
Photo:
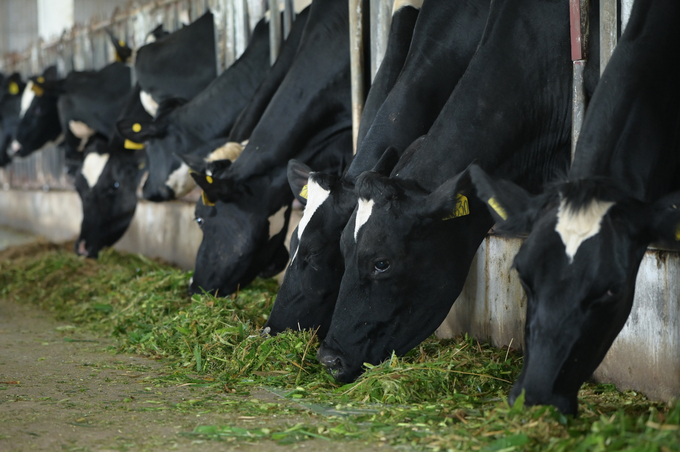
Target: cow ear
(510, 205)
(49, 86)
(123, 51)
(298, 178)
(213, 189)
(449, 200)
(665, 225)
(140, 131)
(387, 162)
(194, 162)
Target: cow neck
(251, 115)
(308, 101)
(506, 113)
(213, 112)
(620, 139)
(445, 39)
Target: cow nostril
(81, 249)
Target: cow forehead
(316, 196)
(364, 210)
(578, 225)
(93, 166)
(27, 98)
(150, 105)
(398, 4)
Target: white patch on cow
(150, 105)
(277, 221)
(27, 98)
(93, 166)
(150, 38)
(299, 5)
(398, 4)
(82, 131)
(364, 211)
(16, 147)
(229, 151)
(316, 195)
(180, 181)
(575, 227)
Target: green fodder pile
(443, 395)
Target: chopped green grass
(444, 395)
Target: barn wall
(644, 356)
(18, 24)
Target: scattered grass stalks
(443, 395)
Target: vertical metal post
(578, 19)
(381, 19)
(356, 52)
(274, 30)
(288, 17)
(609, 20)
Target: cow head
(164, 141)
(106, 183)
(11, 91)
(39, 117)
(306, 298)
(242, 236)
(407, 252)
(578, 268)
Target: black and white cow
(182, 128)
(182, 64)
(38, 117)
(445, 38)
(309, 118)
(106, 183)
(11, 90)
(86, 103)
(589, 233)
(409, 244)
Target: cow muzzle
(538, 396)
(80, 248)
(336, 364)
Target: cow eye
(116, 184)
(199, 221)
(381, 265)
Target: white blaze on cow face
(316, 195)
(229, 151)
(277, 221)
(93, 166)
(27, 98)
(180, 181)
(364, 211)
(398, 4)
(150, 105)
(577, 226)
(16, 147)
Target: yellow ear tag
(205, 199)
(39, 91)
(209, 179)
(462, 208)
(121, 43)
(303, 192)
(498, 208)
(136, 127)
(41, 79)
(132, 145)
(13, 88)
